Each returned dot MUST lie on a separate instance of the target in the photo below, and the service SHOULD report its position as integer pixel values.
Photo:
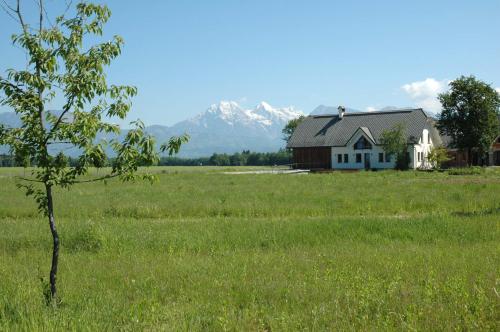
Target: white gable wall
(352, 164)
(424, 146)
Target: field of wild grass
(203, 250)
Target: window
(339, 158)
(346, 158)
(387, 157)
(362, 143)
(418, 156)
(381, 157)
(358, 158)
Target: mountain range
(225, 127)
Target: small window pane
(387, 157)
(358, 158)
(339, 158)
(381, 157)
(346, 158)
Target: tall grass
(203, 250)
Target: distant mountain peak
(224, 107)
(264, 106)
(228, 127)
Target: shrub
(474, 170)
(437, 156)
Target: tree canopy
(469, 114)
(290, 127)
(62, 68)
(394, 143)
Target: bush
(474, 170)
(438, 156)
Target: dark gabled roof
(330, 130)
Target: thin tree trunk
(55, 237)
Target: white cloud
(371, 109)
(498, 90)
(424, 93)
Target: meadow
(204, 250)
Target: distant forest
(245, 158)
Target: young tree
(437, 156)
(290, 127)
(394, 143)
(470, 115)
(59, 67)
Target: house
(352, 140)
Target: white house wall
(425, 145)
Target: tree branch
(58, 122)
(106, 177)
(20, 16)
(29, 180)
(40, 4)
(6, 10)
(9, 6)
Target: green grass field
(203, 250)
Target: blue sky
(185, 55)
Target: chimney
(341, 111)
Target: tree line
(244, 158)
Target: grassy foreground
(203, 250)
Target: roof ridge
(404, 110)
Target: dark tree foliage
(290, 127)
(470, 114)
(245, 158)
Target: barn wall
(312, 158)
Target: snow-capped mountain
(225, 127)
